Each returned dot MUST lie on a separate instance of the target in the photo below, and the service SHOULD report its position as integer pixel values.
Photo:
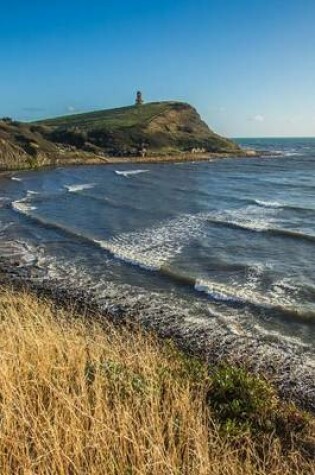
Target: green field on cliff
(162, 129)
(129, 116)
(163, 126)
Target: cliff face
(159, 128)
(24, 146)
(180, 127)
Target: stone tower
(139, 98)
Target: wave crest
(23, 207)
(128, 173)
(76, 188)
(269, 204)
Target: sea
(229, 244)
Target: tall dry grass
(82, 398)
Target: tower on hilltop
(139, 98)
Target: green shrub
(246, 403)
(241, 400)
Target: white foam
(277, 335)
(250, 217)
(16, 178)
(284, 153)
(237, 292)
(281, 295)
(269, 204)
(75, 188)
(22, 251)
(153, 247)
(291, 154)
(31, 193)
(219, 292)
(130, 256)
(128, 173)
(229, 293)
(22, 207)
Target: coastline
(287, 366)
(86, 160)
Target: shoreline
(104, 397)
(97, 160)
(292, 371)
(286, 365)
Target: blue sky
(248, 66)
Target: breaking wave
(153, 247)
(281, 205)
(23, 207)
(76, 188)
(251, 219)
(263, 228)
(128, 173)
(269, 204)
(270, 301)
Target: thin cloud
(257, 118)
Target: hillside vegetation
(159, 130)
(160, 126)
(80, 396)
(28, 146)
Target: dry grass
(81, 398)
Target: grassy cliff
(160, 126)
(83, 396)
(158, 129)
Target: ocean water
(231, 239)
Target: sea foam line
(153, 247)
(256, 219)
(269, 204)
(247, 294)
(75, 188)
(264, 228)
(22, 207)
(128, 173)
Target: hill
(159, 126)
(158, 130)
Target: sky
(248, 66)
